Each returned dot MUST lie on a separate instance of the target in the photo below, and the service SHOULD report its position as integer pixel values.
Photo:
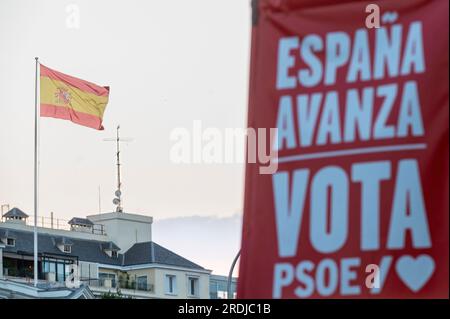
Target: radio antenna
(118, 201)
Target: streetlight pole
(230, 275)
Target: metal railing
(29, 280)
(60, 224)
(49, 222)
(121, 284)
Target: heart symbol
(415, 272)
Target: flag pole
(36, 137)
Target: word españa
(367, 111)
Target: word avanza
(365, 116)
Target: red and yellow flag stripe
(66, 97)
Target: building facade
(218, 287)
(111, 252)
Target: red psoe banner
(358, 207)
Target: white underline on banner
(353, 151)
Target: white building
(112, 250)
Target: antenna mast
(119, 183)
(118, 199)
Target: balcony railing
(144, 286)
(30, 281)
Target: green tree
(114, 295)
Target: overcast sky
(168, 63)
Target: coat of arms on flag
(70, 98)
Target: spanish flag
(69, 98)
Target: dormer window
(110, 249)
(64, 244)
(10, 242)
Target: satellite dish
(118, 193)
(116, 201)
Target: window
(60, 272)
(142, 283)
(10, 242)
(67, 248)
(102, 276)
(193, 287)
(171, 284)
(61, 268)
(45, 267)
(52, 267)
(114, 253)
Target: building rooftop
(22, 289)
(93, 250)
(222, 278)
(110, 246)
(83, 249)
(63, 241)
(151, 252)
(15, 212)
(6, 233)
(80, 221)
